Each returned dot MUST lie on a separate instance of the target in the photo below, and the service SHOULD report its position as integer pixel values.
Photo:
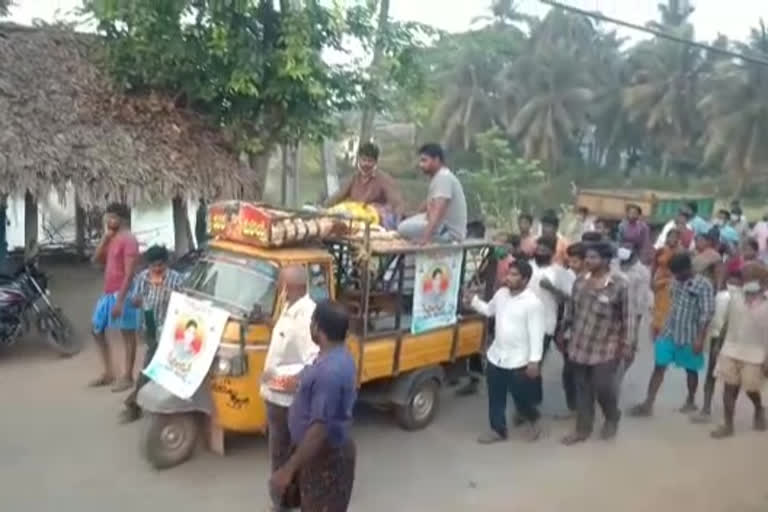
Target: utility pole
(375, 71)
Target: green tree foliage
(735, 110)
(5, 7)
(566, 91)
(256, 69)
(499, 187)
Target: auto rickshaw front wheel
(421, 407)
(170, 439)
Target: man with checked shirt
(597, 315)
(682, 339)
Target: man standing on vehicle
(371, 186)
(515, 355)
(323, 461)
(291, 344)
(118, 251)
(443, 217)
(597, 317)
(152, 290)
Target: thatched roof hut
(62, 121)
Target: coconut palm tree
(674, 13)
(545, 94)
(468, 95)
(662, 94)
(504, 13)
(735, 110)
(664, 87)
(552, 89)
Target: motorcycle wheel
(60, 334)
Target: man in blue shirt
(728, 234)
(698, 224)
(320, 418)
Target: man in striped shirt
(682, 338)
(152, 290)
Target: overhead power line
(657, 33)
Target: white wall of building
(152, 223)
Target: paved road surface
(61, 450)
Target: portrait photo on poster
(436, 292)
(188, 343)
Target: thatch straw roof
(62, 121)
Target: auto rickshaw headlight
(230, 365)
(223, 365)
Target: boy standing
(152, 290)
(743, 359)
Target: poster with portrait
(436, 290)
(188, 343)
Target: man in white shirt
(551, 284)
(743, 360)
(291, 344)
(639, 302)
(514, 357)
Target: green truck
(658, 207)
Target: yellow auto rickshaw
(372, 272)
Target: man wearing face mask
(743, 360)
(634, 229)
(551, 285)
(640, 299)
(739, 221)
(728, 234)
(371, 186)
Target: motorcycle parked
(25, 302)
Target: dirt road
(61, 450)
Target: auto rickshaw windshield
(235, 281)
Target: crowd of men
(595, 295)
(601, 295)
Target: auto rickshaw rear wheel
(170, 439)
(421, 407)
